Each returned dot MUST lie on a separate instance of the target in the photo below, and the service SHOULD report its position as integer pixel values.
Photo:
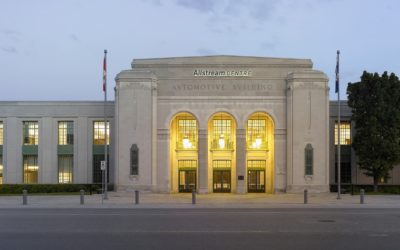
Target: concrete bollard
(136, 197)
(305, 196)
(193, 196)
(24, 197)
(82, 196)
(362, 192)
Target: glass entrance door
(187, 181)
(256, 181)
(222, 181)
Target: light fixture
(186, 142)
(258, 142)
(221, 141)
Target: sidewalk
(152, 200)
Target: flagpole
(338, 148)
(105, 126)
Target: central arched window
(187, 133)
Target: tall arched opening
(260, 153)
(184, 153)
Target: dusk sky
(53, 50)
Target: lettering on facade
(223, 87)
(222, 73)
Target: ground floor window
(65, 168)
(256, 181)
(97, 173)
(345, 172)
(222, 176)
(31, 169)
(187, 175)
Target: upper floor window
(98, 133)
(31, 133)
(187, 134)
(1, 133)
(65, 133)
(222, 134)
(345, 133)
(256, 134)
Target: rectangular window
(345, 133)
(187, 164)
(31, 169)
(65, 133)
(134, 159)
(1, 169)
(187, 134)
(259, 164)
(222, 131)
(309, 159)
(98, 133)
(345, 172)
(65, 168)
(1, 133)
(31, 133)
(218, 164)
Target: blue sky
(53, 50)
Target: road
(290, 228)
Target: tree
(375, 104)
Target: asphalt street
(284, 228)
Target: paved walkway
(151, 200)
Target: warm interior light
(186, 142)
(221, 141)
(258, 142)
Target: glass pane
(65, 169)
(31, 169)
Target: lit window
(222, 131)
(259, 164)
(98, 133)
(31, 133)
(31, 169)
(345, 133)
(66, 133)
(187, 134)
(1, 133)
(222, 164)
(187, 164)
(256, 134)
(65, 168)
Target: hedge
(384, 188)
(50, 188)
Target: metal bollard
(136, 196)
(24, 197)
(82, 195)
(305, 196)
(362, 196)
(193, 196)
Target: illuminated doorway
(184, 152)
(222, 156)
(260, 153)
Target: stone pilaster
(241, 161)
(203, 161)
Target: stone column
(241, 161)
(203, 161)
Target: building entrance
(187, 181)
(256, 181)
(222, 181)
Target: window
(345, 172)
(65, 133)
(31, 133)
(256, 134)
(259, 164)
(309, 158)
(65, 168)
(187, 134)
(31, 169)
(345, 133)
(1, 169)
(98, 133)
(187, 164)
(218, 164)
(134, 160)
(1, 133)
(222, 130)
(97, 173)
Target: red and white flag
(105, 71)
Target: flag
(105, 71)
(337, 72)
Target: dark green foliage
(48, 188)
(375, 103)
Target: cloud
(205, 52)
(202, 6)
(9, 49)
(10, 34)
